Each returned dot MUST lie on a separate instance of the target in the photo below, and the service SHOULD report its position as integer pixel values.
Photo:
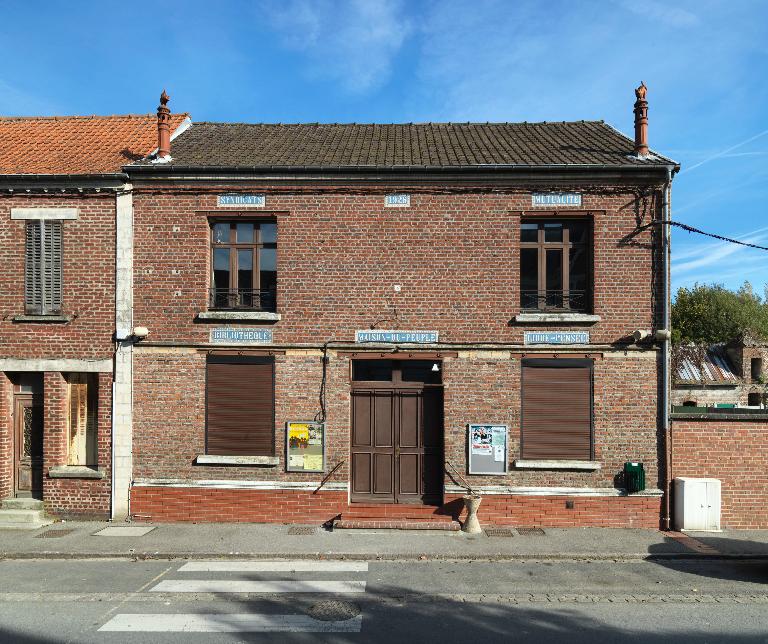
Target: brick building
(356, 321)
(61, 193)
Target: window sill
(216, 459)
(556, 464)
(51, 319)
(74, 472)
(256, 316)
(578, 318)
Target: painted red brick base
(290, 506)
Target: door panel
(397, 442)
(28, 452)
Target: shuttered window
(557, 409)
(240, 406)
(43, 268)
(82, 448)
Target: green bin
(634, 477)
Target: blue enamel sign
(397, 201)
(556, 199)
(238, 199)
(241, 336)
(556, 337)
(397, 337)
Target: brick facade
(736, 452)
(455, 254)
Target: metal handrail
(324, 481)
(456, 473)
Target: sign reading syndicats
(240, 199)
(397, 337)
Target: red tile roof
(76, 144)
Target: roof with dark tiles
(411, 145)
(58, 145)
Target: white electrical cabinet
(697, 504)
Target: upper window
(43, 268)
(555, 265)
(244, 265)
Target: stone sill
(53, 319)
(556, 464)
(74, 472)
(251, 316)
(538, 318)
(216, 459)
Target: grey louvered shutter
(33, 284)
(43, 270)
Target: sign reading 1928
(556, 199)
(397, 337)
(241, 336)
(397, 201)
(556, 337)
(239, 199)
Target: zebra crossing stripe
(226, 623)
(265, 587)
(275, 566)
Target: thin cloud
(352, 43)
(725, 152)
(719, 254)
(666, 13)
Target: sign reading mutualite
(556, 199)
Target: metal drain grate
(530, 532)
(301, 530)
(54, 534)
(334, 610)
(499, 532)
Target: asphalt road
(225, 601)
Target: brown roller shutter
(240, 403)
(557, 409)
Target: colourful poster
(305, 446)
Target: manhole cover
(334, 610)
(301, 530)
(530, 532)
(498, 532)
(53, 534)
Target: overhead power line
(691, 229)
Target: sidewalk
(245, 540)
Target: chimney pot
(641, 121)
(163, 127)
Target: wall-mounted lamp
(140, 332)
(435, 367)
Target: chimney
(163, 127)
(641, 121)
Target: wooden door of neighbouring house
(28, 446)
(397, 432)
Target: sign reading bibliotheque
(304, 446)
(226, 335)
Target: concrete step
(22, 504)
(394, 524)
(21, 516)
(12, 525)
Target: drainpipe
(666, 347)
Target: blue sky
(705, 63)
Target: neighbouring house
(64, 214)
(350, 323)
(720, 425)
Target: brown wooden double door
(397, 442)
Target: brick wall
(734, 451)
(339, 255)
(89, 281)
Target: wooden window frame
(88, 383)
(564, 246)
(256, 246)
(551, 363)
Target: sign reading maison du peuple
(397, 337)
(239, 199)
(556, 199)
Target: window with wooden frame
(556, 265)
(82, 434)
(557, 418)
(243, 265)
(240, 405)
(43, 268)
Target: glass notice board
(487, 446)
(305, 446)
